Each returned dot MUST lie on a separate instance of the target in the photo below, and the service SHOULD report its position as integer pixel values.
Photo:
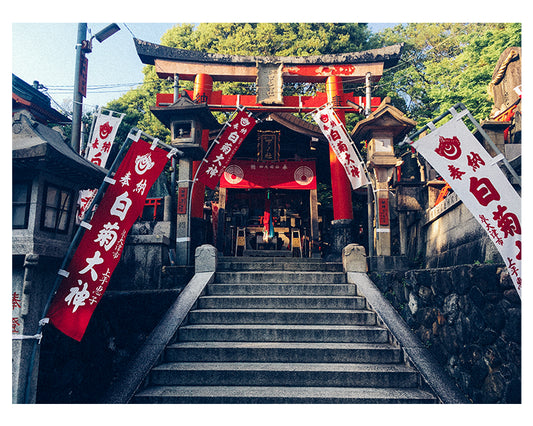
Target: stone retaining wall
(469, 316)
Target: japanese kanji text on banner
(342, 145)
(454, 152)
(225, 148)
(101, 246)
(97, 152)
(105, 129)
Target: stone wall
(454, 237)
(469, 316)
(73, 372)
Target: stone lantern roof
(186, 109)
(387, 118)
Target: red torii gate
(204, 68)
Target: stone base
(342, 234)
(354, 258)
(387, 263)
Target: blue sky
(43, 36)
(46, 52)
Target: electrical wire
(124, 87)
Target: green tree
(443, 64)
(136, 103)
(262, 39)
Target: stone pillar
(27, 308)
(354, 258)
(205, 259)
(343, 233)
(382, 231)
(182, 219)
(313, 207)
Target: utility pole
(80, 76)
(77, 96)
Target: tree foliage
(441, 63)
(262, 39)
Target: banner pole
(464, 109)
(189, 198)
(75, 241)
(209, 149)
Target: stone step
(281, 316)
(283, 352)
(283, 333)
(282, 374)
(281, 302)
(263, 264)
(304, 277)
(268, 253)
(277, 395)
(282, 289)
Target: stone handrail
(355, 267)
(142, 362)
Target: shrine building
(273, 198)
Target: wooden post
(340, 185)
(313, 207)
(203, 87)
(221, 233)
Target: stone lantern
(187, 121)
(386, 125)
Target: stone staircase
(282, 331)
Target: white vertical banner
(102, 137)
(454, 152)
(97, 152)
(342, 145)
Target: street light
(84, 46)
(106, 32)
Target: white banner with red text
(97, 152)
(454, 152)
(342, 145)
(100, 248)
(102, 137)
(226, 145)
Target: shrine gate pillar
(203, 87)
(342, 225)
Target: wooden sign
(383, 204)
(182, 200)
(82, 86)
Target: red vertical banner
(226, 146)
(101, 246)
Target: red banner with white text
(269, 174)
(101, 246)
(225, 148)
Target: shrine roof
(28, 97)
(297, 124)
(38, 147)
(149, 52)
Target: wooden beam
(248, 73)
(220, 102)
